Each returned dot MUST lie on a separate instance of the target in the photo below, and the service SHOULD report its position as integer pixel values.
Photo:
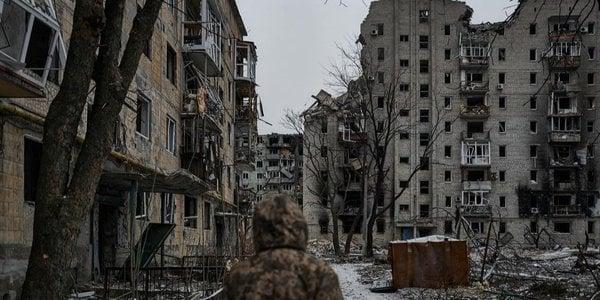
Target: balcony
(565, 137)
(475, 112)
(565, 186)
(561, 88)
(566, 210)
(475, 154)
(202, 36)
(474, 88)
(246, 110)
(245, 68)
(477, 186)
(563, 106)
(349, 136)
(476, 211)
(31, 54)
(564, 55)
(474, 63)
(475, 136)
(475, 203)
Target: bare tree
(65, 193)
(383, 101)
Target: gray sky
(296, 39)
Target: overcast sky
(296, 39)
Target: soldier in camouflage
(281, 269)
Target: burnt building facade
(169, 185)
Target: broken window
(502, 127)
(403, 184)
(424, 115)
(424, 66)
(404, 63)
(404, 112)
(380, 102)
(380, 29)
(424, 41)
(324, 126)
(533, 102)
(380, 77)
(447, 54)
(502, 151)
(424, 139)
(143, 118)
(533, 127)
(171, 68)
(423, 16)
(446, 29)
(448, 201)
(141, 205)
(590, 126)
(590, 78)
(190, 212)
(502, 200)
(404, 160)
(475, 101)
(167, 208)
(206, 220)
(591, 28)
(323, 151)
(448, 126)
(533, 28)
(424, 91)
(380, 54)
(404, 87)
(591, 53)
(591, 227)
(448, 151)
(533, 54)
(502, 54)
(475, 198)
(31, 168)
(448, 228)
(424, 187)
(474, 127)
(502, 102)
(324, 225)
(424, 163)
(501, 78)
(448, 78)
(475, 77)
(533, 176)
(171, 135)
(532, 78)
(403, 38)
(447, 102)
(502, 176)
(533, 226)
(477, 227)
(448, 176)
(562, 227)
(29, 39)
(502, 227)
(424, 211)
(380, 226)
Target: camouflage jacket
(281, 269)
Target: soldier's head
(279, 223)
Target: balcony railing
(481, 62)
(474, 87)
(476, 210)
(477, 185)
(475, 112)
(352, 137)
(565, 137)
(475, 136)
(562, 88)
(567, 210)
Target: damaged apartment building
(511, 111)
(168, 189)
(278, 168)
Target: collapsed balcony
(563, 180)
(31, 52)
(477, 180)
(202, 36)
(200, 151)
(567, 157)
(246, 110)
(350, 133)
(475, 108)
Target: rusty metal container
(429, 264)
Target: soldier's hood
(279, 223)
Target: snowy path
(351, 286)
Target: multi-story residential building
(278, 168)
(515, 106)
(175, 139)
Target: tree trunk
(379, 192)
(63, 200)
(335, 234)
(355, 224)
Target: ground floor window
(562, 227)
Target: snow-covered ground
(351, 286)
